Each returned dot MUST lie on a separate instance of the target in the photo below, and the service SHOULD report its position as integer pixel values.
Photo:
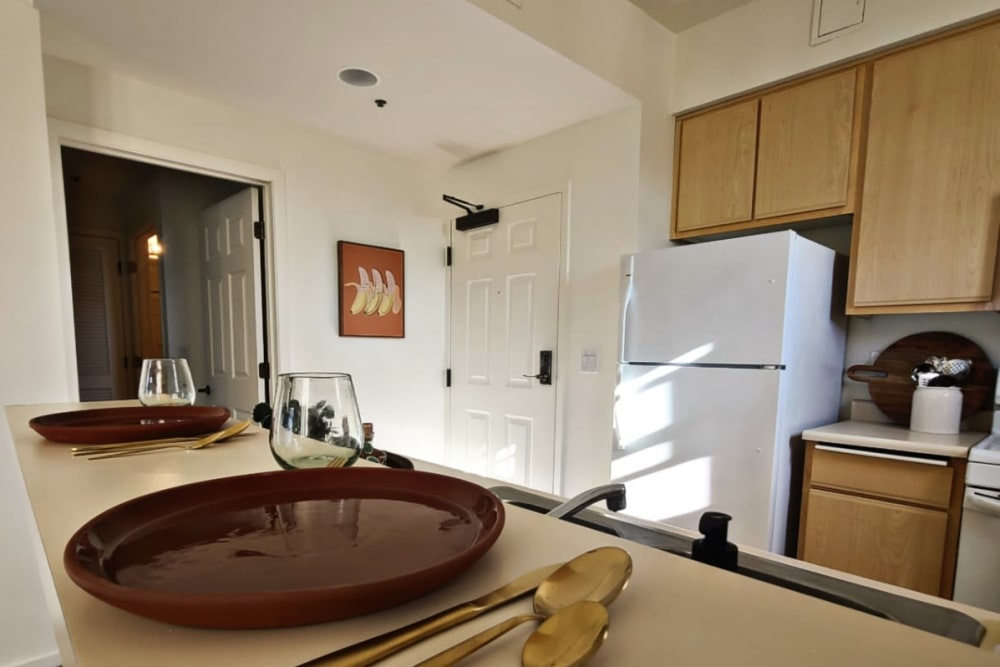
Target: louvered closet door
(97, 317)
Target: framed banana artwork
(371, 290)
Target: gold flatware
(134, 443)
(337, 462)
(81, 450)
(567, 638)
(370, 651)
(596, 576)
(131, 450)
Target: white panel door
(231, 297)
(504, 309)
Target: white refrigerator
(729, 350)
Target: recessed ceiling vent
(355, 76)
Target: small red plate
(107, 425)
(284, 548)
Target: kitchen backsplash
(867, 336)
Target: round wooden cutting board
(891, 385)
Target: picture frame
(371, 288)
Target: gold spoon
(567, 638)
(595, 576)
(236, 428)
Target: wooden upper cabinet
(783, 156)
(804, 152)
(715, 167)
(926, 235)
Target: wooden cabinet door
(804, 147)
(930, 212)
(897, 544)
(715, 167)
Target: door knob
(544, 375)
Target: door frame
(563, 367)
(270, 181)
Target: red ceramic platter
(284, 548)
(107, 425)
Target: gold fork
(83, 450)
(337, 462)
(130, 450)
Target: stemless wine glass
(315, 421)
(166, 382)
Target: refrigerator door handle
(626, 301)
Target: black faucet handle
(713, 548)
(714, 526)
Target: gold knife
(370, 651)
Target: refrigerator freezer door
(719, 302)
(688, 440)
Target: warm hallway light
(153, 247)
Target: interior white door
(97, 317)
(504, 310)
(231, 296)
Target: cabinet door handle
(882, 455)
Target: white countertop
(894, 437)
(675, 611)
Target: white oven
(977, 575)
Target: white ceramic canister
(936, 410)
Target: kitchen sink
(914, 613)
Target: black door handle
(207, 390)
(544, 375)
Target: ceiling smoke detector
(355, 76)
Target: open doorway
(139, 239)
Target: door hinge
(258, 230)
(263, 370)
(119, 267)
(447, 256)
(447, 377)
(125, 361)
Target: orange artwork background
(371, 290)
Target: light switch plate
(588, 361)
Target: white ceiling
(678, 15)
(459, 83)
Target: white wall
(599, 160)
(620, 170)
(334, 189)
(620, 43)
(768, 40)
(33, 363)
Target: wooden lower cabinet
(877, 539)
(892, 520)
